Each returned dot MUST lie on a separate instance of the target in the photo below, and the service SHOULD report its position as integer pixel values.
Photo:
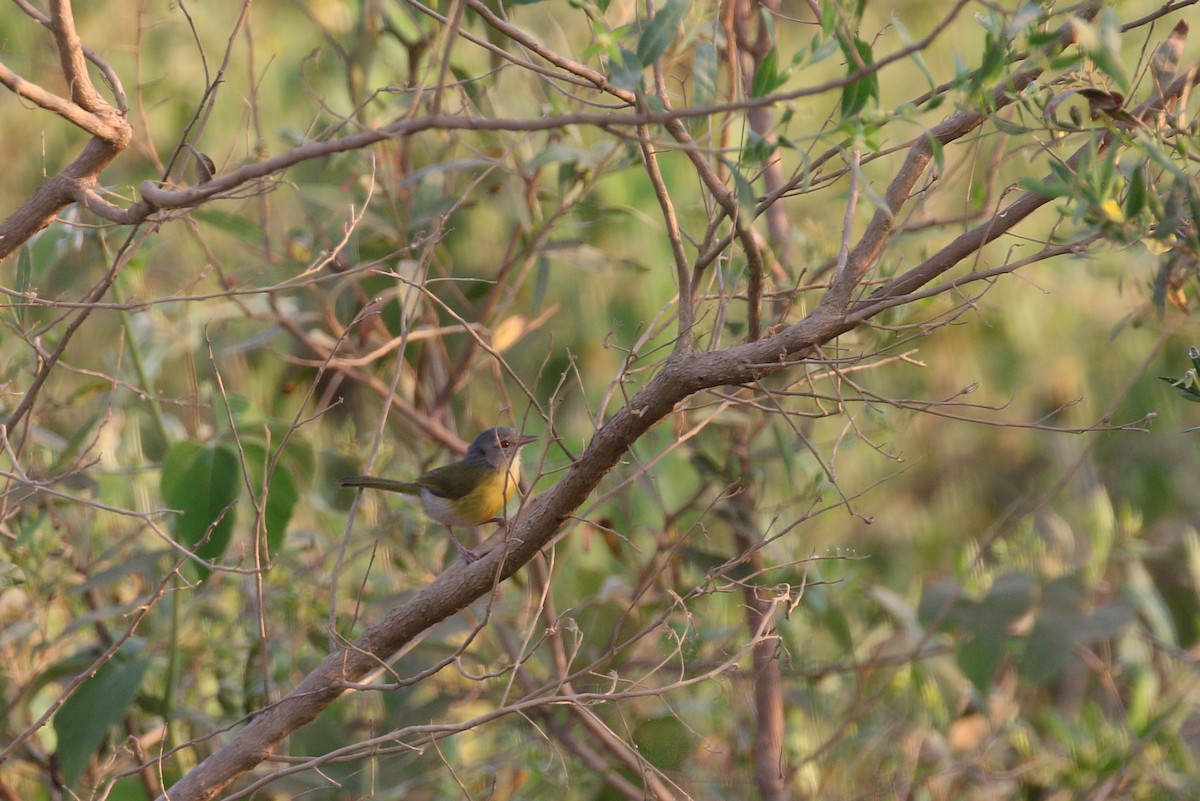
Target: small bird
(470, 492)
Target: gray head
(497, 447)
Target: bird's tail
(387, 484)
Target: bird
(469, 492)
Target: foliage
(935, 550)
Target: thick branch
(59, 192)
(110, 132)
(110, 75)
(97, 124)
(70, 55)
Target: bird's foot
(466, 553)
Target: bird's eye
(505, 443)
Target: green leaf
(100, 702)
(907, 40)
(202, 483)
(757, 148)
(987, 626)
(661, 31)
(1042, 38)
(560, 153)
(1106, 54)
(1059, 626)
(942, 603)
(995, 56)
(24, 281)
(819, 50)
(746, 196)
(470, 82)
(232, 410)
(663, 742)
(625, 71)
(766, 77)
(541, 282)
(1026, 17)
(704, 74)
(1046, 188)
(1135, 196)
(282, 494)
(1007, 126)
(938, 152)
(1187, 384)
(829, 18)
(1110, 619)
(856, 94)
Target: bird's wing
(453, 481)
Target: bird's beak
(525, 439)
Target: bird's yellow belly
(479, 505)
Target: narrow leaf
(1135, 197)
(1108, 55)
(857, 94)
(766, 77)
(24, 281)
(541, 282)
(746, 196)
(704, 74)
(661, 31)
